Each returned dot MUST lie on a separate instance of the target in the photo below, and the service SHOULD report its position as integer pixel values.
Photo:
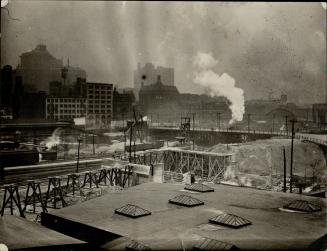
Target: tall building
(100, 105)
(65, 108)
(66, 102)
(123, 101)
(27, 105)
(147, 75)
(6, 86)
(157, 95)
(38, 68)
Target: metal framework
(57, 191)
(208, 166)
(185, 126)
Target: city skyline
(255, 43)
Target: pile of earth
(258, 163)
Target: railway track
(20, 174)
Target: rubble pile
(260, 163)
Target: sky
(265, 47)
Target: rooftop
(170, 225)
(40, 50)
(159, 86)
(18, 233)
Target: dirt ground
(261, 163)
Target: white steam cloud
(223, 85)
(53, 140)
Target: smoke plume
(223, 85)
(53, 140)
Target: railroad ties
(57, 188)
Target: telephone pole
(291, 167)
(218, 120)
(130, 143)
(79, 144)
(273, 123)
(93, 144)
(249, 117)
(193, 114)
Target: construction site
(182, 125)
(268, 185)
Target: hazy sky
(278, 46)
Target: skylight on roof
(230, 220)
(132, 211)
(199, 187)
(185, 200)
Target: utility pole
(93, 144)
(284, 153)
(193, 114)
(130, 143)
(125, 144)
(79, 144)
(249, 117)
(291, 167)
(123, 117)
(218, 120)
(273, 123)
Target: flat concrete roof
(175, 227)
(18, 233)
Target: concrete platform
(175, 227)
(19, 233)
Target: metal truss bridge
(205, 165)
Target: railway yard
(51, 191)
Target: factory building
(157, 95)
(38, 68)
(147, 75)
(123, 101)
(65, 108)
(100, 105)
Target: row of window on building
(65, 100)
(100, 86)
(96, 94)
